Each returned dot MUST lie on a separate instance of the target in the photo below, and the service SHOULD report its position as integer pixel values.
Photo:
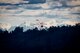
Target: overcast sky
(52, 12)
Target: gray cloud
(11, 1)
(59, 11)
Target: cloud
(70, 22)
(11, 1)
(10, 10)
(75, 10)
(22, 1)
(5, 26)
(62, 3)
(36, 1)
(48, 13)
(73, 2)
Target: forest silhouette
(64, 39)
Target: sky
(47, 12)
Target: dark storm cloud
(35, 1)
(17, 2)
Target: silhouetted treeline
(63, 39)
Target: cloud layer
(11, 1)
(52, 12)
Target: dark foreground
(63, 39)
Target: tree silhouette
(53, 40)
